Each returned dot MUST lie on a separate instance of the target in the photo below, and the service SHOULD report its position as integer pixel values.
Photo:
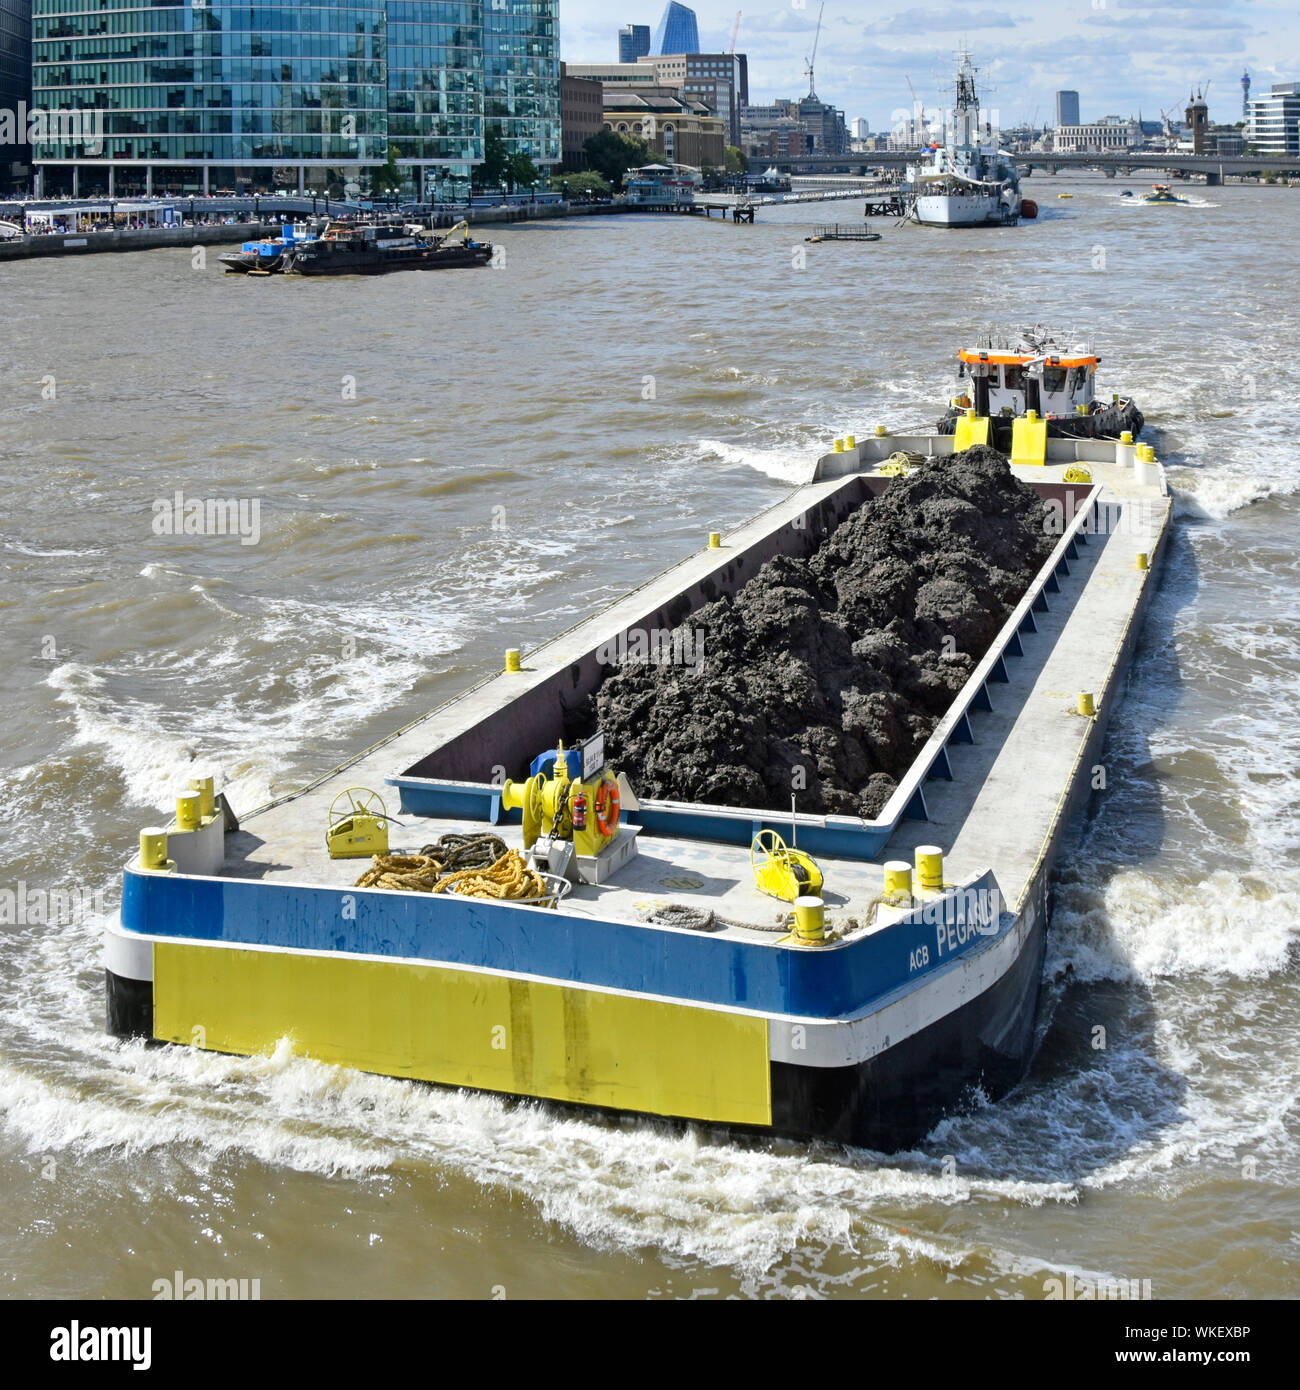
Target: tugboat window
(1013, 378)
(1054, 378)
(1080, 378)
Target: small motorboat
(1161, 194)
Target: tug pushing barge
(828, 976)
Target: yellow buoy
(513, 662)
(1085, 704)
(929, 866)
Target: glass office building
(677, 32)
(211, 95)
(521, 76)
(633, 42)
(15, 87)
(434, 55)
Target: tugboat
(1027, 373)
(964, 183)
(348, 249)
(1161, 195)
(264, 257)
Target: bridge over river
(1215, 167)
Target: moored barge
(647, 970)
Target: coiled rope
(703, 919)
(451, 855)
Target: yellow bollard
(187, 811)
(153, 849)
(850, 441)
(1143, 560)
(881, 431)
(1085, 704)
(839, 446)
(898, 881)
(1031, 415)
(207, 800)
(809, 919)
(1126, 437)
(929, 866)
(513, 662)
(715, 540)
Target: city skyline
(869, 50)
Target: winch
(579, 801)
(358, 824)
(565, 806)
(781, 870)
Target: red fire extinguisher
(578, 808)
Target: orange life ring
(607, 807)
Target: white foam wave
(788, 465)
(1144, 928)
(1217, 495)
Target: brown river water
(450, 464)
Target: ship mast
(966, 118)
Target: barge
(639, 956)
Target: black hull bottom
(130, 1006)
(1109, 423)
(893, 1100)
(349, 265)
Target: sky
(1121, 56)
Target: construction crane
(812, 95)
(917, 132)
(735, 31)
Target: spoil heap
(840, 664)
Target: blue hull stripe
(821, 983)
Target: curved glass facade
(282, 83)
(678, 31)
(279, 81)
(521, 89)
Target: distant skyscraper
(15, 80)
(633, 42)
(1067, 108)
(1245, 96)
(677, 32)
(861, 128)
